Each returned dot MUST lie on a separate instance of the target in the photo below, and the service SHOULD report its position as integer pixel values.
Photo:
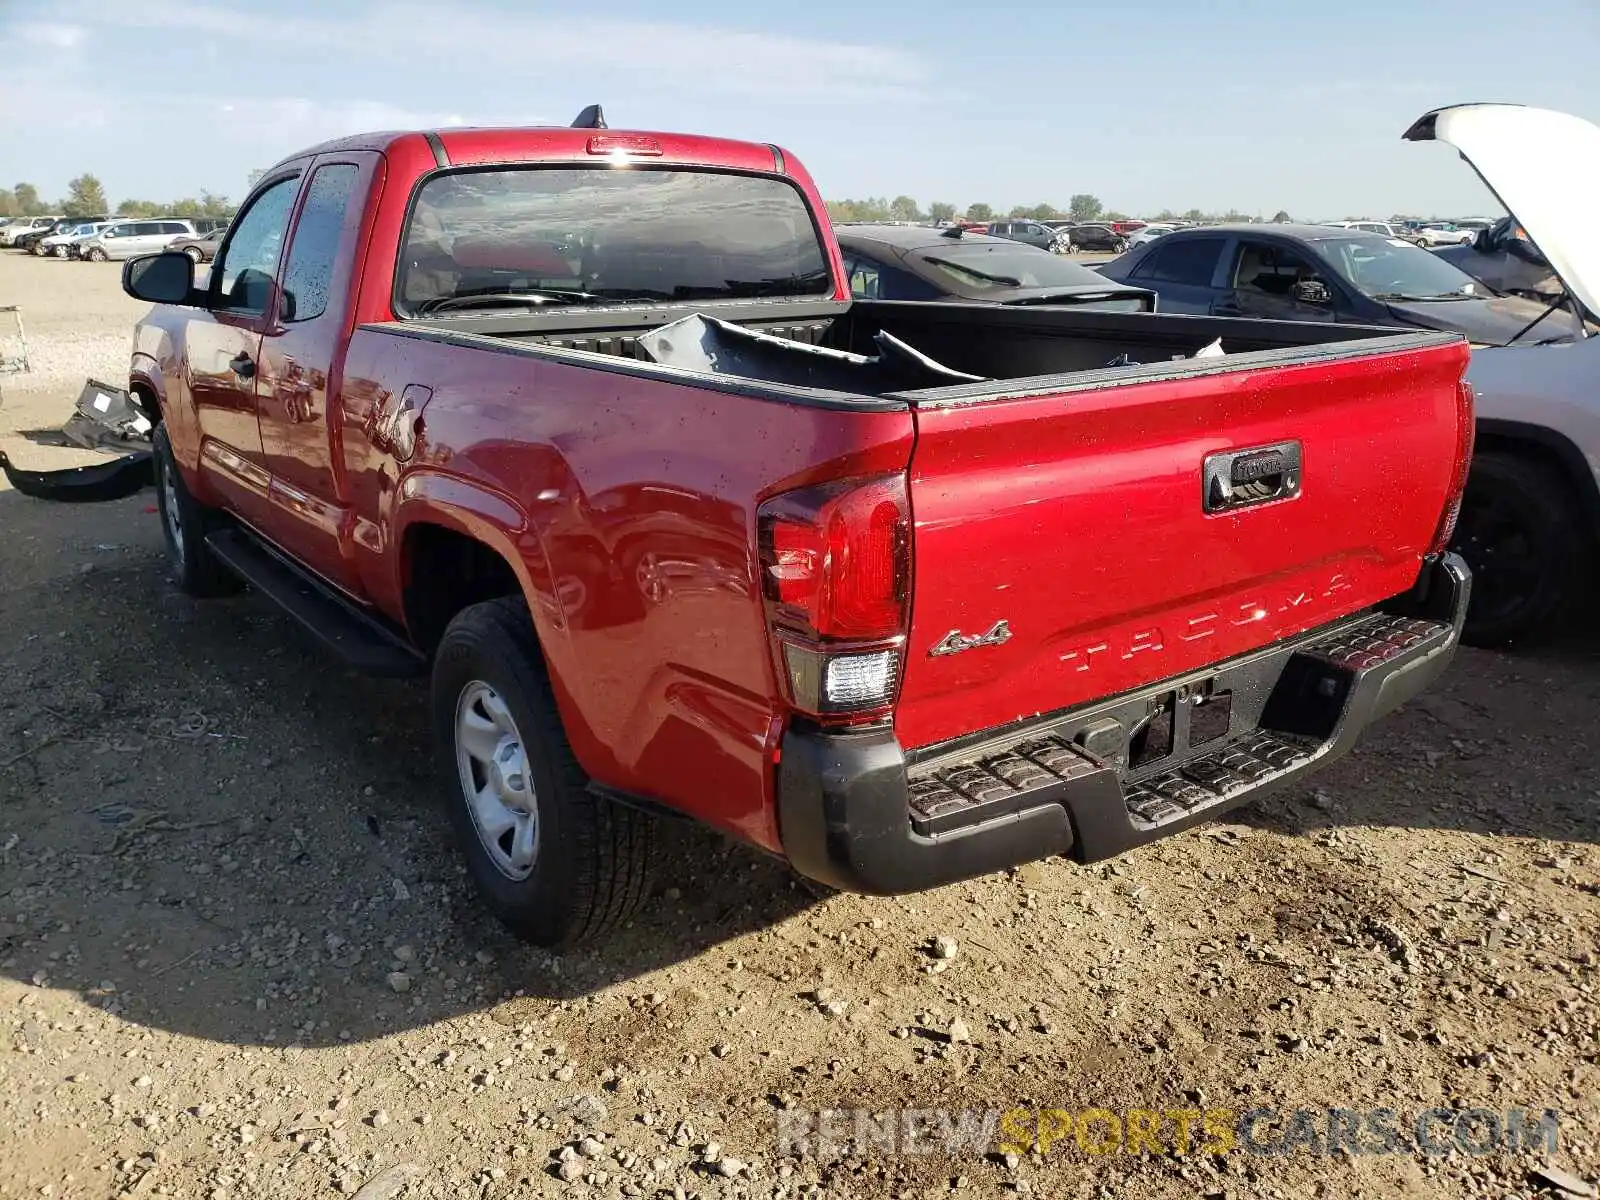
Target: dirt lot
(238, 958)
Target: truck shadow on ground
(207, 827)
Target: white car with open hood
(1530, 521)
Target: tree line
(86, 197)
(1081, 207)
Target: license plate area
(1177, 723)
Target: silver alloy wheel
(170, 512)
(496, 780)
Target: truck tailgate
(1079, 519)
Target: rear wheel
(1522, 535)
(554, 862)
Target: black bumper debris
(98, 481)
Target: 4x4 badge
(955, 641)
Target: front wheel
(184, 522)
(194, 254)
(1523, 538)
(96, 254)
(557, 864)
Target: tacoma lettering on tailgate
(1154, 639)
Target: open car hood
(1544, 166)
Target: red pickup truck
(584, 424)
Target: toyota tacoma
(584, 426)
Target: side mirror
(1312, 291)
(161, 279)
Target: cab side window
(309, 271)
(247, 265)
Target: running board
(339, 625)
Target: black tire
(96, 254)
(593, 857)
(195, 254)
(1522, 534)
(184, 524)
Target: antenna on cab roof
(591, 118)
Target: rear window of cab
(601, 234)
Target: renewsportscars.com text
(839, 1133)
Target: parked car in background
(1317, 273)
(59, 244)
(202, 247)
(1443, 233)
(1530, 518)
(20, 226)
(1386, 228)
(1096, 237)
(1505, 258)
(887, 262)
(1031, 233)
(30, 241)
(1149, 234)
(130, 239)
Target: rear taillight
(836, 580)
(1466, 430)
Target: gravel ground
(238, 958)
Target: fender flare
(145, 378)
(429, 497)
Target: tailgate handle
(1240, 478)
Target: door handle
(1239, 478)
(1227, 308)
(243, 365)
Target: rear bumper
(856, 813)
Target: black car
(28, 240)
(1096, 237)
(894, 262)
(1320, 273)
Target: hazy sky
(1255, 104)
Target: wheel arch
(1555, 450)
